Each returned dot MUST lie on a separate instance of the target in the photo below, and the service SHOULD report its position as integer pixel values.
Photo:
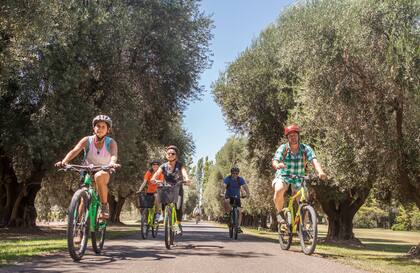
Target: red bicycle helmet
(291, 128)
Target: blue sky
(237, 23)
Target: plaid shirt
(294, 162)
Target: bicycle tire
(308, 234)
(144, 230)
(235, 223)
(154, 225)
(74, 226)
(99, 233)
(286, 236)
(230, 225)
(173, 211)
(168, 227)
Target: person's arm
(156, 175)
(185, 176)
(224, 186)
(318, 169)
(73, 153)
(277, 161)
(142, 186)
(246, 190)
(114, 154)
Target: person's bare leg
(101, 181)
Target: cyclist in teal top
(290, 159)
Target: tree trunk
(273, 224)
(410, 190)
(340, 211)
(116, 211)
(9, 189)
(24, 212)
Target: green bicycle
(83, 214)
(169, 198)
(148, 220)
(304, 223)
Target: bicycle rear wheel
(98, 235)
(285, 234)
(78, 224)
(168, 227)
(144, 228)
(308, 229)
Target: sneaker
(240, 230)
(160, 219)
(157, 217)
(180, 229)
(283, 227)
(104, 211)
(226, 217)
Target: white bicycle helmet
(104, 118)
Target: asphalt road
(204, 248)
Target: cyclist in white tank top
(100, 150)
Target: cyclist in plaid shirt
(290, 159)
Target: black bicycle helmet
(234, 169)
(172, 147)
(155, 161)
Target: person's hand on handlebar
(114, 165)
(322, 176)
(60, 164)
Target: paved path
(203, 248)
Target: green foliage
(408, 218)
(63, 63)
(347, 72)
(368, 217)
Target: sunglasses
(171, 153)
(235, 173)
(155, 164)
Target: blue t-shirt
(233, 186)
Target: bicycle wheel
(308, 231)
(144, 228)
(98, 236)
(235, 223)
(168, 227)
(78, 224)
(154, 223)
(230, 225)
(286, 235)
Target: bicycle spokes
(308, 229)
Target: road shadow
(197, 241)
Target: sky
(236, 24)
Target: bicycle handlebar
(89, 168)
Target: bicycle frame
(300, 197)
(94, 203)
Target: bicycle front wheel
(168, 227)
(308, 231)
(78, 225)
(235, 223)
(144, 228)
(285, 232)
(98, 235)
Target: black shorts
(234, 200)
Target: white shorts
(281, 180)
